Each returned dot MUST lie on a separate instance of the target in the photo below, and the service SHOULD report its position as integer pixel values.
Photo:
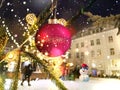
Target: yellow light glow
(10, 55)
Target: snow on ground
(92, 84)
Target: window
(92, 53)
(82, 44)
(114, 63)
(77, 54)
(98, 52)
(69, 55)
(82, 55)
(112, 51)
(77, 45)
(110, 39)
(98, 41)
(92, 42)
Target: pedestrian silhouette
(26, 73)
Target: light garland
(19, 21)
(24, 27)
(9, 34)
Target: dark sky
(13, 12)
(66, 8)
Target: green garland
(48, 69)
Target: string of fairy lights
(9, 33)
(23, 25)
(12, 37)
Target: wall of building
(104, 56)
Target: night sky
(16, 10)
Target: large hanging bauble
(53, 39)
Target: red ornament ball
(53, 39)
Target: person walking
(26, 73)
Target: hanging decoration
(31, 18)
(53, 39)
(31, 23)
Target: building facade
(99, 48)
